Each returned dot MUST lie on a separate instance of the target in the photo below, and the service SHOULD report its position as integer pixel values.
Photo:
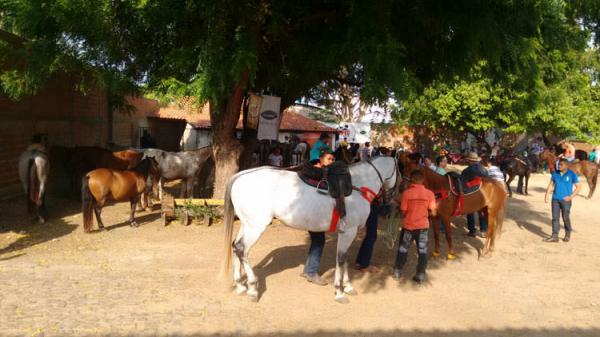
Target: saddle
(459, 188)
(334, 180)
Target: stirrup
(320, 190)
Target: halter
(381, 191)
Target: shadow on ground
(15, 221)
(290, 257)
(559, 332)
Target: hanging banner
(268, 125)
(254, 105)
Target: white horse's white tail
(228, 219)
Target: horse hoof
(253, 297)
(342, 300)
(451, 256)
(102, 229)
(351, 292)
(41, 221)
(134, 224)
(435, 254)
(240, 290)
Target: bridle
(382, 191)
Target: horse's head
(387, 169)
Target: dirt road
(161, 281)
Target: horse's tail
(87, 204)
(228, 218)
(31, 180)
(496, 230)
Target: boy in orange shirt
(416, 204)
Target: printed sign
(253, 111)
(270, 113)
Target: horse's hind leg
(510, 179)
(98, 212)
(242, 246)
(238, 251)
(527, 183)
(133, 202)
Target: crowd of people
(418, 204)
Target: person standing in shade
(416, 204)
(275, 158)
(363, 259)
(561, 186)
(365, 152)
(320, 145)
(317, 239)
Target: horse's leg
(490, 235)
(183, 188)
(592, 183)
(448, 226)
(238, 254)
(133, 202)
(527, 183)
(241, 248)
(190, 187)
(160, 188)
(520, 184)
(436, 234)
(342, 281)
(98, 212)
(511, 176)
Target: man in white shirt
(275, 158)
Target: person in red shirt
(416, 204)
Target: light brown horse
(582, 168)
(120, 185)
(84, 159)
(491, 196)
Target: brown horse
(582, 168)
(87, 158)
(100, 184)
(491, 196)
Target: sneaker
(483, 234)
(419, 278)
(316, 279)
(397, 274)
(567, 237)
(472, 234)
(553, 238)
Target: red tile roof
(200, 118)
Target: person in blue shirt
(561, 186)
(320, 145)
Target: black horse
(516, 167)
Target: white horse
(34, 169)
(261, 194)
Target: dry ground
(161, 281)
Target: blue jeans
(363, 259)
(558, 207)
(317, 242)
(471, 222)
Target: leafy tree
(224, 49)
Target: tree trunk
(249, 140)
(224, 116)
(547, 141)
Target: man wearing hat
(475, 169)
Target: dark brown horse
(512, 167)
(582, 168)
(491, 196)
(343, 154)
(119, 185)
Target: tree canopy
(220, 50)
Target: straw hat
(473, 157)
